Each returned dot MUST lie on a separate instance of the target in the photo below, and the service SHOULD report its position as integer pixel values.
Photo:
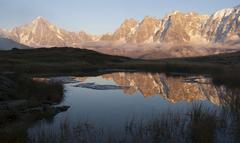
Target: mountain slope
(41, 33)
(175, 27)
(125, 32)
(146, 30)
(8, 44)
(223, 25)
(181, 27)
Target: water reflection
(110, 100)
(172, 89)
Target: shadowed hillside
(68, 61)
(55, 60)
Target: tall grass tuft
(231, 105)
(203, 124)
(23, 87)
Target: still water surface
(110, 100)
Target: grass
(18, 66)
(22, 87)
(197, 125)
(15, 134)
(203, 124)
(24, 92)
(20, 93)
(224, 68)
(232, 108)
(54, 60)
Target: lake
(110, 101)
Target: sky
(99, 16)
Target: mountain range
(222, 27)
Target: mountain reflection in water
(110, 101)
(172, 89)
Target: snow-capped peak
(40, 19)
(222, 13)
(174, 13)
(176, 26)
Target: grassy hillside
(55, 60)
(66, 61)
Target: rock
(99, 87)
(61, 109)
(46, 108)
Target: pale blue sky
(98, 16)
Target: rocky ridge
(177, 27)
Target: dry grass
(23, 87)
(199, 125)
(65, 61)
(203, 124)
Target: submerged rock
(46, 108)
(100, 87)
(61, 79)
(61, 109)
